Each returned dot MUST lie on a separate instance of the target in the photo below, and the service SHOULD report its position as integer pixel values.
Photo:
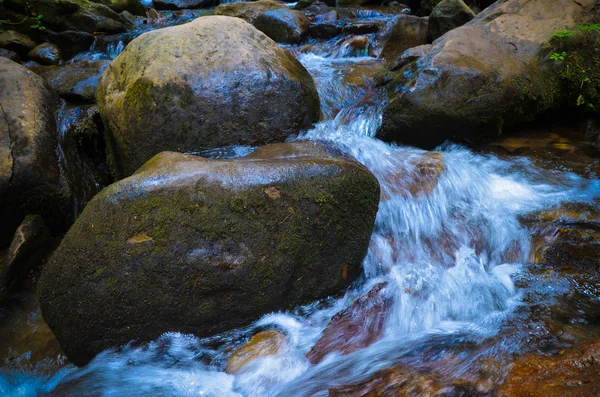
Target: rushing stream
(449, 244)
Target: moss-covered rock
(283, 25)
(30, 179)
(480, 77)
(64, 15)
(202, 246)
(448, 15)
(248, 10)
(214, 82)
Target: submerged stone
(354, 328)
(265, 343)
(202, 246)
(214, 82)
(574, 372)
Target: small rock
(26, 251)
(408, 31)
(76, 81)
(283, 25)
(266, 343)
(448, 15)
(17, 42)
(354, 328)
(13, 56)
(248, 10)
(46, 54)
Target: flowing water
(449, 244)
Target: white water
(449, 257)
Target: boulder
(283, 25)
(265, 343)
(30, 179)
(46, 54)
(70, 42)
(64, 15)
(133, 6)
(407, 31)
(248, 10)
(448, 15)
(75, 81)
(480, 77)
(13, 56)
(214, 82)
(355, 327)
(202, 246)
(574, 372)
(17, 42)
(25, 253)
(182, 4)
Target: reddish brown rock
(399, 382)
(266, 343)
(574, 373)
(354, 328)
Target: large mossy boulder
(202, 246)
(480, 77)
(30, 179)
(448, 15)
(214, 82)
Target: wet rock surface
(283, 25)
(77, 81)
(46, 54)
(25, 253)
(248, 10)
(354, 328)
(30, 179)
(575, 372)
(407, 31)
(217, 76)
(265, 343)
(193, 232)
(448, 15)
(479, 66)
